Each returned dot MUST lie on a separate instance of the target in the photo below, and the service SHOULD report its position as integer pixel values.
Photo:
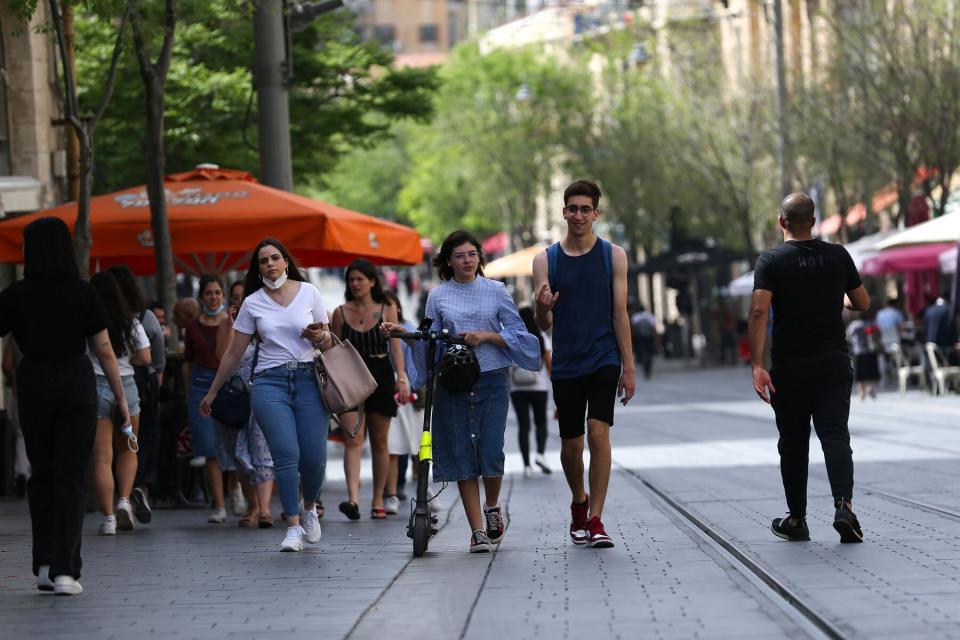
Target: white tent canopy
(948, 261)
(946, 228)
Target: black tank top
(370, 343)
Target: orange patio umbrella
(216, 218)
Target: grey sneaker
(43, 578)
(310, 524)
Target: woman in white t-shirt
(132, 347)
(289, 318)
(528, 391)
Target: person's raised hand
(761, 384)
(387, 328)
(546, 298)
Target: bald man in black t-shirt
(807, 282)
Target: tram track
(910, 502)
(792, 604)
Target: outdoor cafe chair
(943, 374)
(901, 363)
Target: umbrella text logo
(374, 243)
(190, 196)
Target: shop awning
(924, 257)
(946, 228)
(514, 265)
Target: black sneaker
(141, 509)
(846, 523)
(496, 524)
(479, 542)
(797, 533)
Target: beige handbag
(344, 380)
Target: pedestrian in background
(21, 463)
(245, 450)
(528, 392)
(581, 285)
(289, 317)
(53, 316)
(864, 338)
(200, 354)
(643, 327)
(808, 282)
(469, 425)
(148, 379)
(113, 450)
(358, 320)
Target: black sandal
(350, 509)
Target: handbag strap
(256, 356)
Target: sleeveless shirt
(370, 343)
(583, 336)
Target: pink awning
(921, 257)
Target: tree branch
(114, 60)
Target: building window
(428, 34)
(385, 34)
(5, 163)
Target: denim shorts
(203, 435)
(105, 397)
(468, 429)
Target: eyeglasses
(461, 256)
(583, 209)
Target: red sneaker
(578, 524)
(598, 537)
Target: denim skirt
(468, 429)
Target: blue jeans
(203, 437)
(288, 407)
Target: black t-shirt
(808, 279)
(51, 318)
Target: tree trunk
(155, 166)
(82, 236)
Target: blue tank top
(583, 337)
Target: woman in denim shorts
(469, 426)
(132, 347)
(289, 317)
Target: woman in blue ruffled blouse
(469, 427)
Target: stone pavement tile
(657, 581)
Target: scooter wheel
(421, 534)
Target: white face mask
(275, 284)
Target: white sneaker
(528, 472)
(109, 526)
(124, 515)
(66, 586)
(310, 523)
(434, 502)
(541, 462)
(217, 516)
(238, 503)
(392, 505)
(43, 578)
(198, 461)
(293, 541)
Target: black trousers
(815, 387)
(523, 402)
(148, 436)
(58, 415)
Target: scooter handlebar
(428, 335)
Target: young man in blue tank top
(581, 285)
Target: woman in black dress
(358, 320)
(53, 314)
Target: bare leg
(598, 437)
(264, 490)
(126, 460)
(215, 479)
(392, 475)
(470, 496)
(352, 449)
(379, 428)
(232, 482)
(251, 494)
(491, 490)
(103, 466)
(571, 457)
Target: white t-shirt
(140, 341)
(543, 378)
(279, 327)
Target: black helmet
(459, 368)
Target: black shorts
(593, 394)
(382, 401)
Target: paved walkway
(697, 436)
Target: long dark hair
(392, 298)
(526, 314)
(119, 316)
(454, 240)
(367, 269)
(253, 282)
(129, 287)
(48, 250)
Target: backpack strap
(607, 258)
(553, 262)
